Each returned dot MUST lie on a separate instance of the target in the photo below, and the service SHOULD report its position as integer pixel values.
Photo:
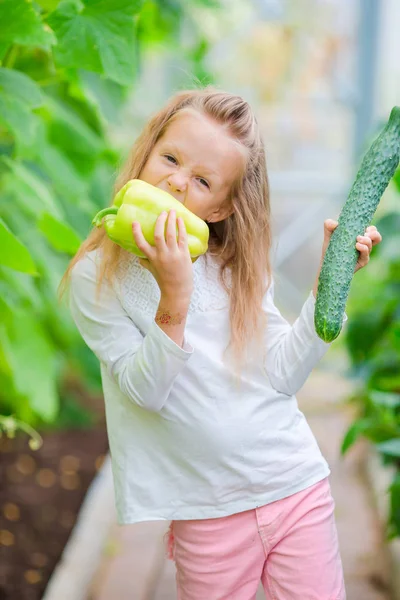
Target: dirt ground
(40, 496)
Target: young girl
(235, 468)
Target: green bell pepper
(142, 202)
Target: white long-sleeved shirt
(185, 441)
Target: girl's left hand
(364, 243)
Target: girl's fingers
(165, 234)
(139, 239)
(373, 234)
(375, 237)
(171, 229)
(364, 245)
(159, 231)
(182, 233)
(364, 240)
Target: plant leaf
(13, 253)
(48, 4)
(59, 170)
(67, 131)
(391, 447)
(394, 517)
(19, 86)
(159, 22)
(353, 432)
(97, 35)
(60, 235)
(18, 96)
(21, 24)
(105, 95)
(32, 359)
(396, 178)
(30, 191)
(20, 289)
(388, 399)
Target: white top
(185, 441)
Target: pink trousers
(290, 545)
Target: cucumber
(376, 170)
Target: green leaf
(391, 447)
(60, 171)
(97, 35)
(60, 235)
(394, 517)
(159, 22)
(395, 335)
(388, 225)
(102, 182)
(48, 4)
(21, 24)
(386, 381)
(396, 178)
(73, 136)
(38, 64)
(5, 307)
(18, 96)
(32, 359)
(353, 432)
(367, 325)
(50, 265)
(73, 415)
(388, 399)
(30, 191)
(21, 289)
(13, 253)
(107, 96)
(65, 178)
(77, 99)
(5, 367)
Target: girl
(235, 468)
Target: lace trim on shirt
(138, 290)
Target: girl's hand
(169, 260)
(364, 243)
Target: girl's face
(196, 162)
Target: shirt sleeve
(292, 351)
(143, 366)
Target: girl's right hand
(169, 260)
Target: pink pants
(291, 545)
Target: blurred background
(78, 80)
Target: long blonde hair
(242, 242)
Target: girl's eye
(174, 161)
(203, 182)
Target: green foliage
(19, 95)
(21, 24)
(66, 70)
(373, 343)
(14, 254)
(97, 36)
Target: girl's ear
(222, 213)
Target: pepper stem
(98, 219)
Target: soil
(40, 496)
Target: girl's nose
(177, 182)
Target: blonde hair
(241, 242)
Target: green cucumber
(376, 170)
